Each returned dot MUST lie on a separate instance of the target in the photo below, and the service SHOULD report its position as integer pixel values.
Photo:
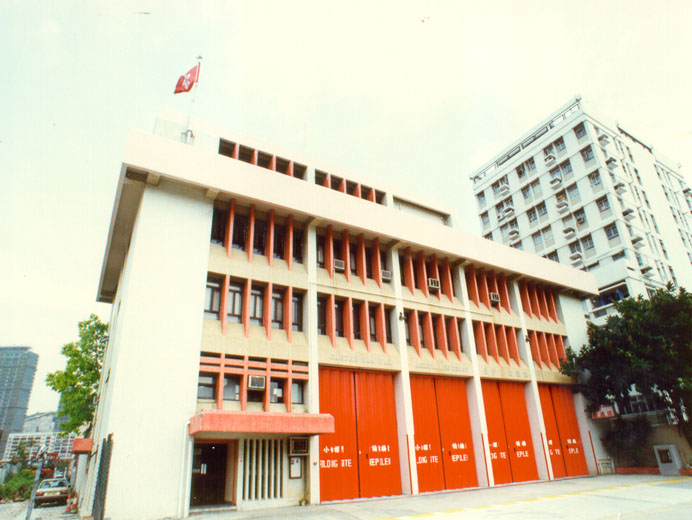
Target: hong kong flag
(186, 82)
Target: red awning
(81, 445)
(227, 421)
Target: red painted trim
(421, 273)
(219, 386)
(525, 300)
(376, 262)
(491, 341)
(543, 347)
(552, 308)
(414, 331)
(543, 300)
(229, 228)
(533, 342)
(408, 271)
(371, 195)
(346, 253)
(447, 288)
(228, 421)
(552, 351)
(288, 253)
(454, 339)
(348, 321)
(289, 170)
(288, 312)
(428, 334)
(329, 251)
(435, 272)
(327, 182)
(504, 293)
(342, 186)
(82, 445)
(535, 305)
(441, 335)
(479, 333)
(408, 458)
(267, 310)
(246, 307)
(365, 324)
(561, 354)
(501, 335)
(269, 246)
(357, 192)
(223, 310)
(471, 284)
(272, 163)
(484, 293)
(513, 347)
(361, 269)
(255, 154)
(236, 149)
(381, 331)
(485, 461)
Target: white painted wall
(154, 360)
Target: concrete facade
(245, 281)
(17, 370)
(581, 190)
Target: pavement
(613, 497)
(17, 511)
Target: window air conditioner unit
(298, 446)
(494, 297)
(339, 266)
(256, 382)
(386, 276)
(549, 158)
(433, 284)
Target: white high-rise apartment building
(581, 190)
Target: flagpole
(188, 131)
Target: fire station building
(283, 331)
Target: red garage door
(509, 432)
(361, 458)
(444, 446)
(568, 428)
(455, 433)
(557, 461)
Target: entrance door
(557, 460)
(208, 474)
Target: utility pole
(40, 456)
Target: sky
(416, 94)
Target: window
(579, 130)
(256, 305)
(521, 172)
(573, 193)
(298, 245)
(388, 324)
(530, 163)
(212, 298)
(235, 302)
(276, 390)
(531, 214)
(240, 226)
(372, 317)
(542, 210)
(353, 257)
(517, 245)
(297, 312)
(279, 241)
(339, 318)
(553, 256)
(580, 217)
(574, 247)
(320, 250)
(278, 308)
(594, 179)
(547, 235)
(259, 239)
(526, 192)
(355, 320)
(231, 387)
(485, 219)
(611, 231)
(322, 315)
(480, 197)
(587, 154)
(587, 242)
(205, 386)
(555, 173)
(218, 226)
(559, 145)
(487, 236)
(566, 168)
(618, 255)
(497, 185)
(603, 204)
(297, 392)
(407, 326)
(537, 240)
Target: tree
(78, 383)
(648, 344)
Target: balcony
(513, 233)
(620, 188)
(569, 232)
(549, 159)
(504, 190)
(562, 205)
(604, 140)
(611, 163)
(508, 211)
(628, 214)
(637, 241)
(556, 182)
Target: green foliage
(21, 456)
(78, 383)
(647, 344)
(624, 441)
(18, 485)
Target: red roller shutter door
(378, 448)
(431, 476)
(520, 447)
(455, 433)
(496, 433)
(557, 461)
(338, 450)
(568, 427)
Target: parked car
(52, 490)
